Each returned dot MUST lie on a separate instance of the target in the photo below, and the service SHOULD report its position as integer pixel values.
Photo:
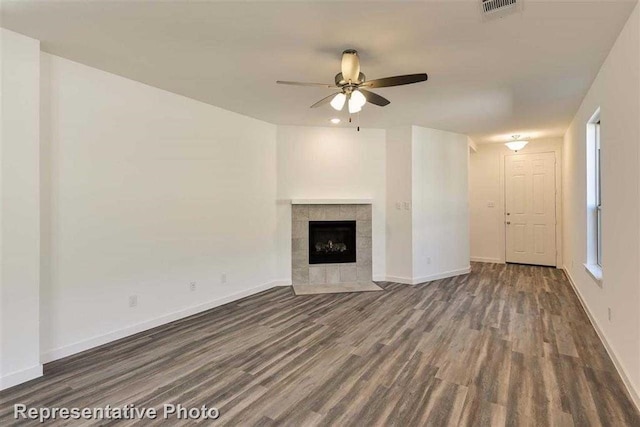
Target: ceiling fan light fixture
(358, 98)
(353, 87)
(354, 106)
(338, 101)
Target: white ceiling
(524, 73)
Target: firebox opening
(332, 242)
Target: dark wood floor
(504, 345)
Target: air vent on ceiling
(499, 8)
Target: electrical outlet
(398, 205)
(133, 301)
(609, 314)
(428, 260)
(491, 204)
(407, 206)
(192, 286)
(223, 278)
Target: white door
(530, 208)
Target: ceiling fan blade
(281, 82)
(324, 100)
(374, 98)
(350, 65)
(396, 80)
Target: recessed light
(335, 121)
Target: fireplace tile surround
(304, 273)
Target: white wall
(399, 217)
(427, 203)
(119, 190)
(19, 210)
(147, 191)
(486, 185)
(440, 204)
(330, 163)
(616, 90)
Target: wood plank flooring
(504, 345)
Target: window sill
(595, 271)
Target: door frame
(531, 149)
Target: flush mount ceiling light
(335, 121)
(516, 144)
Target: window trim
(598, 191)
(593, 264)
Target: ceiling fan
(353, 85)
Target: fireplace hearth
(332, 242)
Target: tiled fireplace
(324, 249)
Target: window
(598, 204)
(594, 199)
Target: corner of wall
(20, 213)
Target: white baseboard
(399, 279)
(378, 279)
(432, 277)
(488, 260)
(635, 397)
(443, 275)
(20, 377)
(99, 340)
